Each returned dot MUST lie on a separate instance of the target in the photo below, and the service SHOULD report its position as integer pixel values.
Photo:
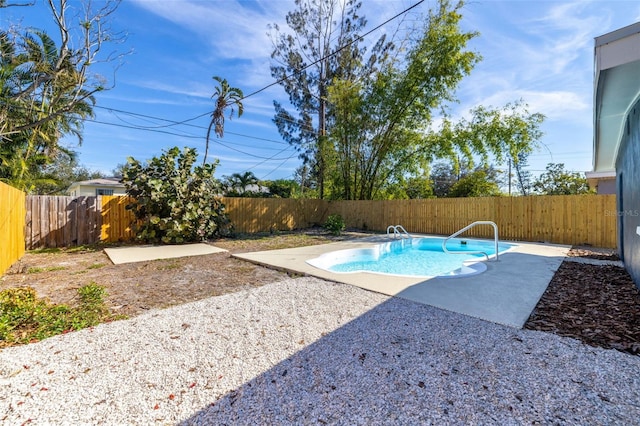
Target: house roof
(111, 181)
(616, 90)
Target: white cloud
(567, 30)
(555, 105)
(234, 29)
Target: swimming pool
(415, 257)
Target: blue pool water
(422, 257)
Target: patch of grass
(74, 249)
(84, 249)
(46, 250)
(267, 241)
(97, 266)
(25, 318)
(36, 270)
(169, 265)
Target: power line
(166, 132)
(173, 123)
(176, 123)
(274, 170)
(219, 142)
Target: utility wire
(172, 123)
(176, 123)
(166, 132)
(219, 142)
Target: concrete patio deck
(506, 293)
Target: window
(102, 191)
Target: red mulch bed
(599, 305)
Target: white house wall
(90, 191)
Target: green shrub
(334, 224)
(92, 308)
(25, 318)
(175, 202)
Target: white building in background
(95, 187)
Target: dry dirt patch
(136, 287)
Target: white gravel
(307, 351)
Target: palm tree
(226, 96)
(42, 100)
(238, 183)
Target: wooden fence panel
(85, 224)
(60, 221)
(250, 215)
(12, 221)
(115, 219)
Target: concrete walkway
(506, 293)
(120, 255)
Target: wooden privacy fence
(560, 219)
(12, 218)
(274, 214)
(59, 221)
(572, 219)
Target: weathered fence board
(59, 221)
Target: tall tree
(558, 181)
(33, 87)
(475, 184)
(226, 97)
(46, 87)
(523, 176)
(382, 126)
(322, 45)
(381, 121)
(462, 179)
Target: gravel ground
(307, 351)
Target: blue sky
(538, 51)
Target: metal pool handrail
(479, 222)
(398, 230)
